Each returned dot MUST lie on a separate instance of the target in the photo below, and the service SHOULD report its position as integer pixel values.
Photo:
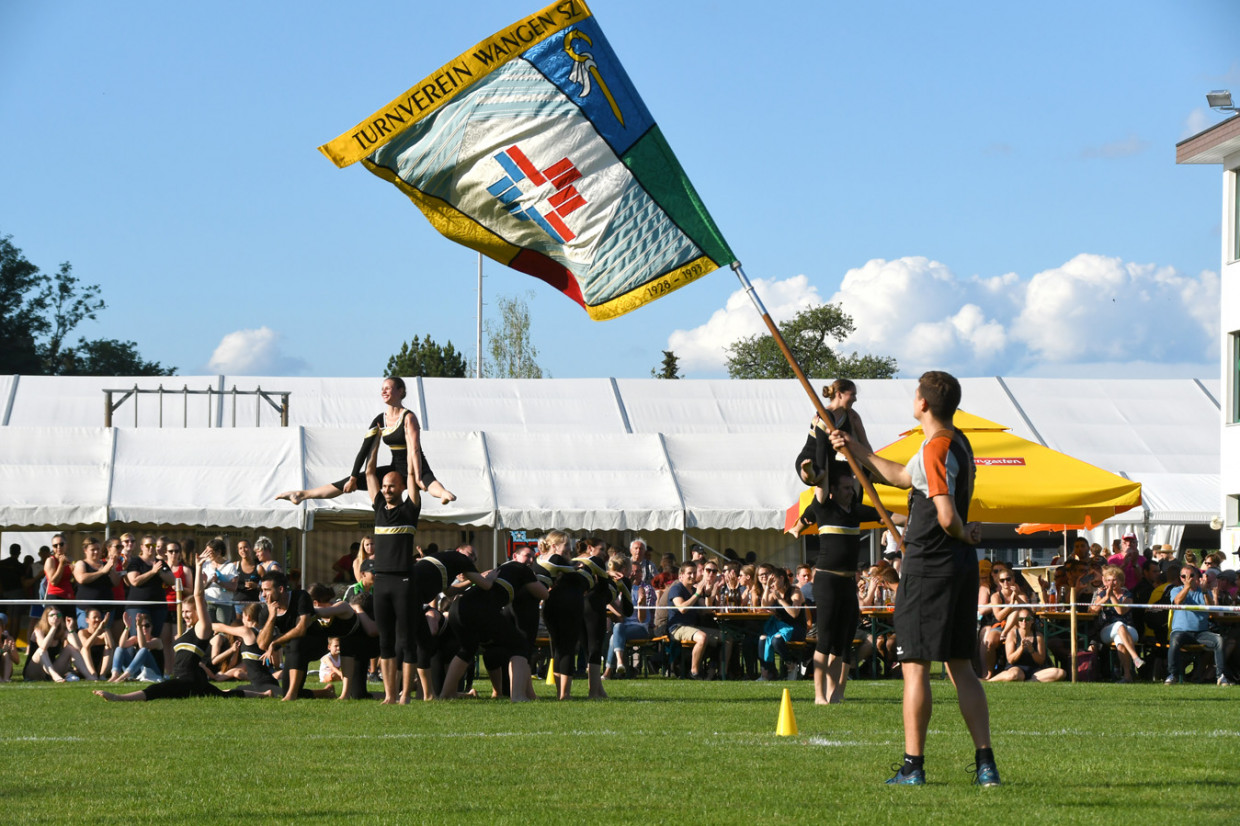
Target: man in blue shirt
(1188, 627)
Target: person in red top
(936, 615)
(58, 569)
(179, 570)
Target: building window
(1235, 215)
(1233, 415)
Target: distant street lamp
(1220, 101)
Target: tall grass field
(659, 751)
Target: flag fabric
(535, 149)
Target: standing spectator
(12, 577)
(342, 568)
(96, 578)
(265, 552)
(221, 582)
(147, 576)
(366, 551)
(1192, 626)
(58, 571)
(249, 577)
(1128, 559)
(644, 569)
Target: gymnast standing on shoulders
(398, 428)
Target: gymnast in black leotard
(398, 428)
(818, 463)
(188, 677)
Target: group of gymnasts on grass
(398, 619)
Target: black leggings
(594, 612)
(563, 613)
(394, 614)
(428, 475)
(835, 601)
(177, 689)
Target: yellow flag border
(652, 290)
(451, 80)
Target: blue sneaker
(917, 777)
(986, 774)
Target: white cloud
(1198, 120)
(1126, 148)
(254, 353)
(1092, 312)
(703, 348)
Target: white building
(1221, 145)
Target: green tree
(426, 358)
(811, 336)
(670, 369)
(109, 357)
(512, 352)
(22, 304)
(37, 314)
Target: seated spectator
(1112, 602)
(96, 643)
(667, 574)
(139, 653)
(1025, 649)
(747, 578)
(786, 623)
(885, 594)
(623, 629)
(1188, 627)
(687, 626)
(9, 656)
(1003, 599)
(56, 654)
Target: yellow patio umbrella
(1018, 481)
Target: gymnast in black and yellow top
(398, 428)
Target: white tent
(582, 454)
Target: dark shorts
(936, 617)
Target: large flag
(534, 148)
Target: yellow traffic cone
(787, 725)
(551, 673)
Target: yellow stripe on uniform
(395, 530)
(189, 646)
(839, 531)
(507, 587)
(443, 570)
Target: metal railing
(270, 396)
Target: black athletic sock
(986, 755)
(912, 764)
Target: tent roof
(640, 454)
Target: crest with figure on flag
(534, 148)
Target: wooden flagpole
(857, 470)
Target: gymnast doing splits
(398, 428)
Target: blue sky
(988, 188)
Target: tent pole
(866, 484)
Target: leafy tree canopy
(812, 336)
(39, 311)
